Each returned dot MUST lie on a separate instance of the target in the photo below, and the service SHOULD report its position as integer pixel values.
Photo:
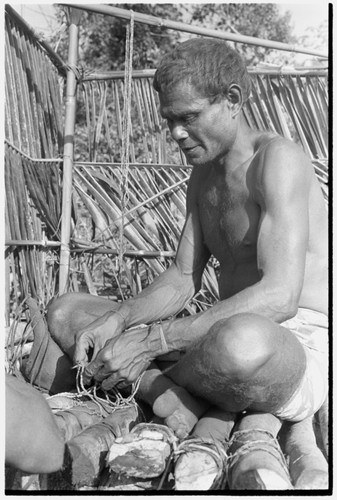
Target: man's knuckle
(104, 355)
(78, 335)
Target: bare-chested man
(255, 204)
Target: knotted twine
(126, 127)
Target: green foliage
(314, 38)
(102, 38)
(260, 20)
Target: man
(254, 203)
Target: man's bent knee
(243, 344)
(58, 311)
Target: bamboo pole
(23, 243)
(117, 166)
(149, 73)
(178, 26)
(35, 160)
(68, 154)
(143, 254)
(93, 249)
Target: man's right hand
(95, 336)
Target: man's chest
(229, 219)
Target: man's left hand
(121, 360)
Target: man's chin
(194, 159)
(199, 162)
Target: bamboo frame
(178, 26)
(35, 160)
(149, 73)
(68, 155)
(146, 254)
(23, 243)
(150, 166)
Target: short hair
(211, 66)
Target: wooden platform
(85, 466)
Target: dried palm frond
(33, 90)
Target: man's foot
(179, 410)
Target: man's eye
(189, 119)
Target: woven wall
(33, 129)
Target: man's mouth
(188, 150)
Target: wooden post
(68, 153)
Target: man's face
(202, 129)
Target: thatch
(33, 129)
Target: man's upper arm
(283, 195)
(192, 254)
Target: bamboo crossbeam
(288, 71)
(179, 26)
(24, 243)
(149, 73)
(55, 58)
(131, 165)
(34, 160)
(146, 254)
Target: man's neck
(242, 149)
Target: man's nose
(178, 131)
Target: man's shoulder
(280, 164)
(275, 153)
(269, 143)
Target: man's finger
(91, 369)
(81, 350)
(111, 381)
(123, 384)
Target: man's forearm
(257, 299)
(165, 297)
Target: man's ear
(234, 97)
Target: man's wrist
(157, 339)
(123, 317)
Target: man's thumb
(81, 351)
